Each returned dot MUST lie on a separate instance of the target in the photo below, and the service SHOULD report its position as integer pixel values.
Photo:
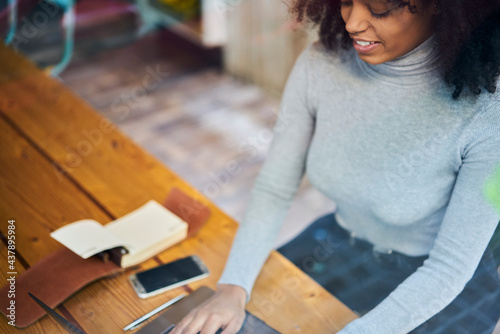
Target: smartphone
(168, 276)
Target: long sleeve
(277, 182)
(468, 226)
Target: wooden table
(61, 162)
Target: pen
(134, 323)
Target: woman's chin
(372, 60)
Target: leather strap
(188, 209)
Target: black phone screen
(169, 274)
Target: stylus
(145, 317)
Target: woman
(400, 126)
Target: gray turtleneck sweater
(404, 162)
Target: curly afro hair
(467, 32)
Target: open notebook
(143, 232)
(167, 319)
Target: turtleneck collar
(416, 67)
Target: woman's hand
(225, 309)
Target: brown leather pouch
(53, 279)
(62, 273)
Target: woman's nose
(356, 19)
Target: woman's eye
(380, 15)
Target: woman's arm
(277, 182)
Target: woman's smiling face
(383, 31)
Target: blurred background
(197, 83)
